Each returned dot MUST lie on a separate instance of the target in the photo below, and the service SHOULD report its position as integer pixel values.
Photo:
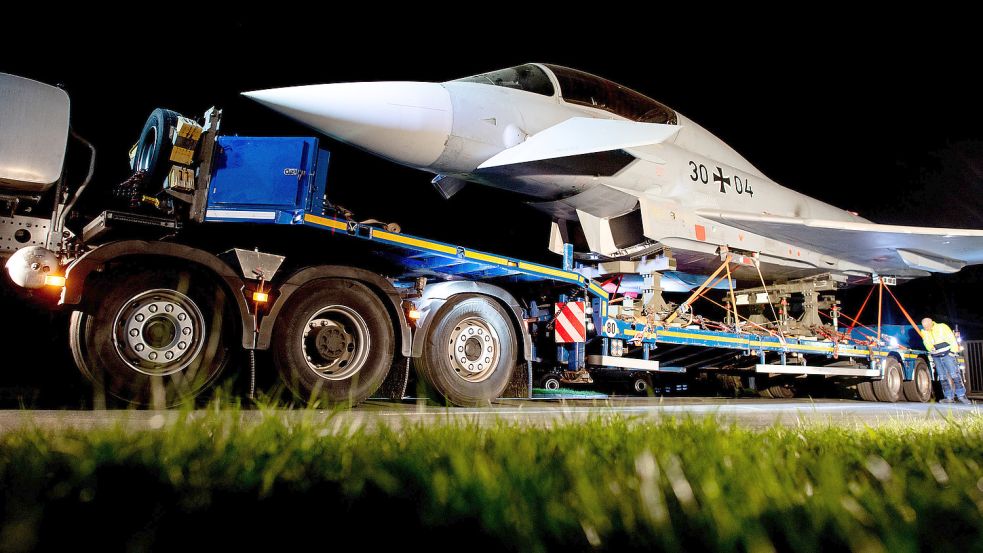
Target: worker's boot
(964, 399)
(946, 400)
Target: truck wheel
(77, 327)
(781, 391)
(866, 391)
(641, 385)
(889, 388)
(551, 382)
(919, 388)
(334, 342)
(154, 339)
(469, 351)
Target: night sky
(870, 116)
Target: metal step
(629, 363)
(806, 369)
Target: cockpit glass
(578, 87)
(528, 77)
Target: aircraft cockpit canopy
(578, 87)
(528, 77)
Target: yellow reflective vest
(938, 337)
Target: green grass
(212, 481)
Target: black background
(872, 114)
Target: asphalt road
(753, 413)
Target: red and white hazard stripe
(569, 322)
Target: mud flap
(394, 386)
(520, 385)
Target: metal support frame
(199, 203)
(19, 231)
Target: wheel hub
(894, 381)
(159, 332)
(474, 349)
(923, 382)
(336, 342)
(331, 339)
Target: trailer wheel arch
(91, 266)
(376, 283)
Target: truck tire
(889, 388)
(469, 352)
(154, 339)
(641, 385)
(77, 327)
(154, 146)
(333, 344)
(551, 381)
(781, 391)
(919, 388)
(866, 391)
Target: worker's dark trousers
(948, 368)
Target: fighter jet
(621, 174)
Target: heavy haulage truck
(221, 244)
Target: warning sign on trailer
(569, 324)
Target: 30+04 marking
(701, 174)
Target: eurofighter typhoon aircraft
(635, 176)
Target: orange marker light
(260, 297)
(415, 314)
(54, 280)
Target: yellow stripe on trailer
(692, 336)
(599, 291)
(548, 271)
(462, 252)
(504, 261)
(415, 242)
(325, 222)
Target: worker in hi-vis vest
(942, 345)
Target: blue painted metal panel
(272, 173)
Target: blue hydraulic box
(267, 179)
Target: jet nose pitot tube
(407, 122)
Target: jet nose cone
(407, 122)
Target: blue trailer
(240, 194)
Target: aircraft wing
(884, 248)
(582, 135)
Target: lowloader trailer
(220, 244)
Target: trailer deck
(419, 256)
